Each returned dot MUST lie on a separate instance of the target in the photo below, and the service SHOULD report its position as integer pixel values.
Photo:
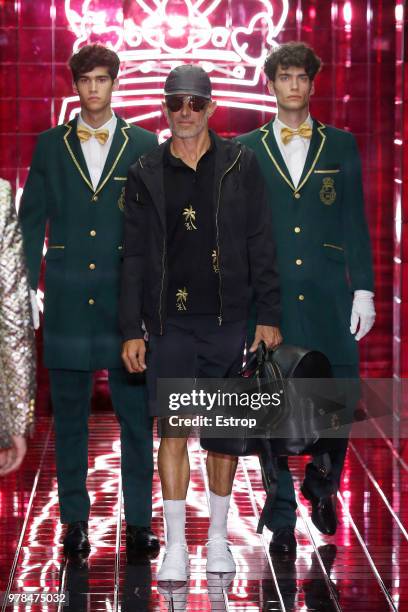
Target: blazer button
(91, 301)
(297, 230)
(301, 297)
(299, 262)
(92, 233)
(297, 195)
(95, 198)
(92, 266)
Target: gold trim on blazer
(55, 246)
(115, 163)
(74, 159)
(119, 178)
(279, 169)
(334, 171)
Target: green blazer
(84, 243)
(322, 240)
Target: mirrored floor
(363, 568)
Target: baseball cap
(188, 79)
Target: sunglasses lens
(196, 103)
(174, 103)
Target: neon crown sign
(229, 40)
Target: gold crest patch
(328, 192)
(121, 201)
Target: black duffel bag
(299, 416)
(302, 414)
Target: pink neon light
(347, 13)
(399, 13)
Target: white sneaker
(176, 564)
(219, 556)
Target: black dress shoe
(141, 542)
(76, 542)
(283, 541)
(324, 515)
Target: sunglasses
(196, 103)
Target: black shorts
(194, 346)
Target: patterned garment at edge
(17, 342)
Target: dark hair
(91, 56)
(292, 54)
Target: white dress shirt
(96, 153)
(295, 152)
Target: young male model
(76, 186)
(313, 176)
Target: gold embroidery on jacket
(328, 192)
(215, 265)
(121, 201)
(189, 215)
(182, 296)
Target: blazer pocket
(334, 252)
(120, 178)
(54, 252)
(332, 170)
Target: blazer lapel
(313, 154)
(75, 151)
(119, 142)
(273, 152)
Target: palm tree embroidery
(215, 261)
(182, 295)
(189, 215)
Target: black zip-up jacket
(246, 251)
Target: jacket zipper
(218, 236)
(162, 285)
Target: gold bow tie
(84, 134)
(304, 131)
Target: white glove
(362, 313)
(34, 309)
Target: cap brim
(190, 92)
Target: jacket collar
(119, 142)
(272, 149)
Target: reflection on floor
(363, 568)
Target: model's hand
(133, 355)
(11, 458)
(362, 313)
(34, 309)
(270, 335)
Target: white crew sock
(219, 507)
(175, 515)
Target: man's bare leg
(221, 471)
(174, 470)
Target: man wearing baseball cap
(198, 242)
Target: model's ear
(271, 88)
(211, 108)
(74, 87)
(115, 86)
(165, 110)
(312, 89)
